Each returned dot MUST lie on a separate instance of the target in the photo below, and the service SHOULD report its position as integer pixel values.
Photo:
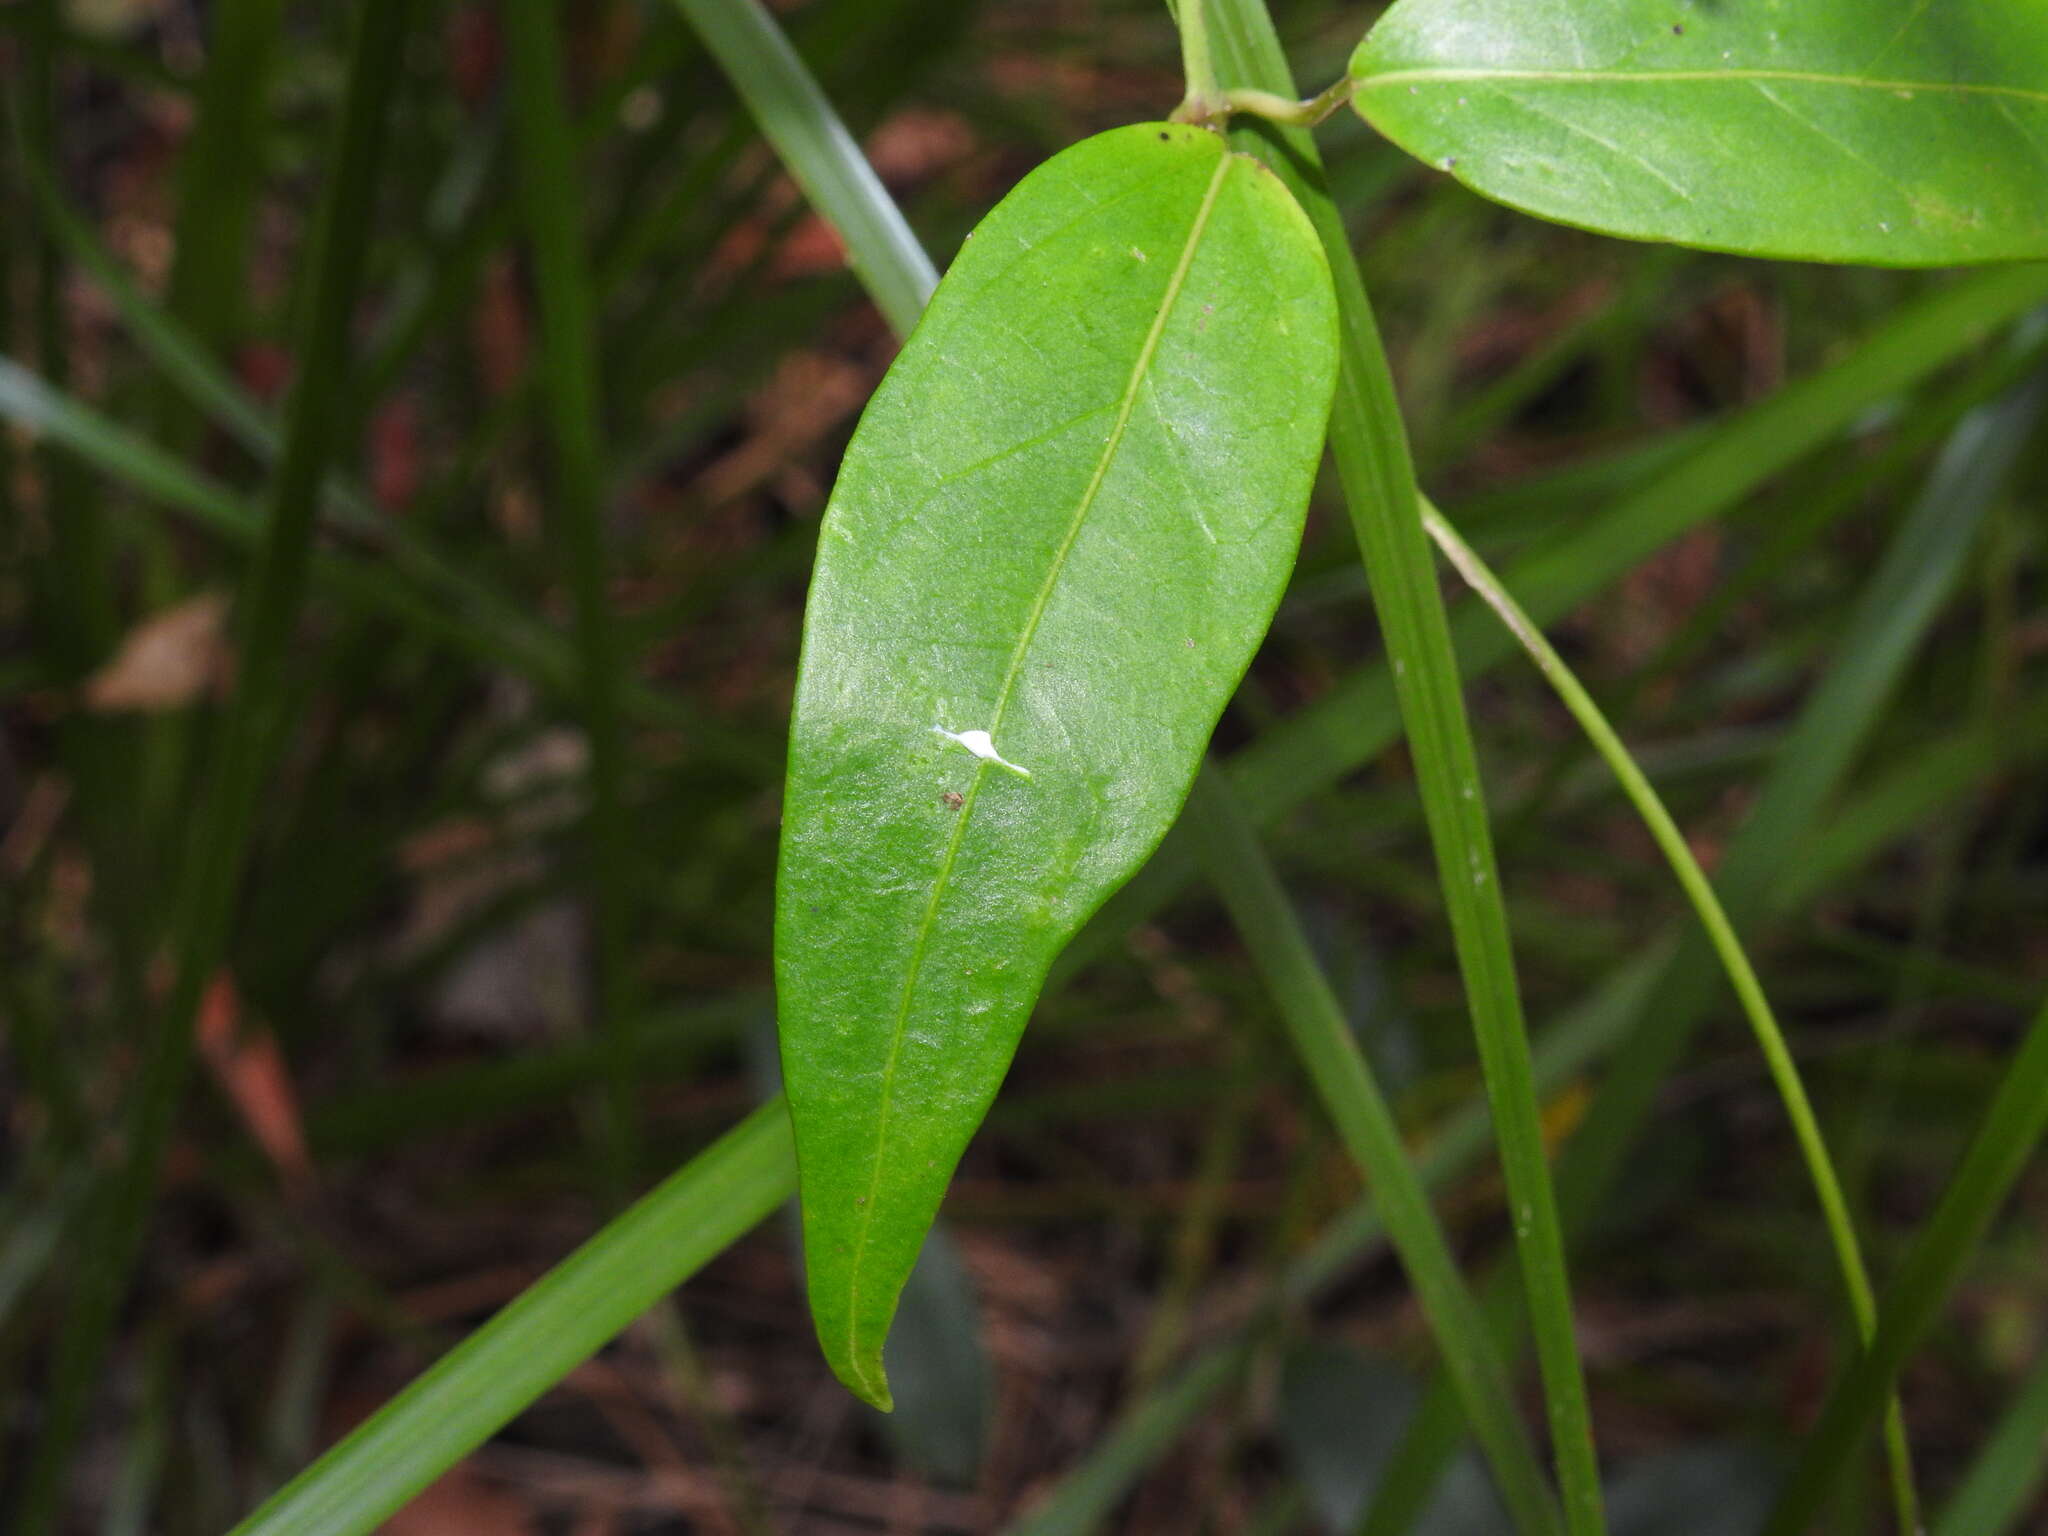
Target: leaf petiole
(1275, 108)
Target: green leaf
(1892, 132)
(1057, 538)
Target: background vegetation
(416, 731)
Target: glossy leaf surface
(1058, 535)
(1890, 132)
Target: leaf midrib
(1125, 406)
(1736, 75)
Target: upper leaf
(1057, 537)
(1890, 132)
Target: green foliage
(1057, 538)
(1892, 132)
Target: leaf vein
(1619, 151)
(1738, 75)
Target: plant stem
(1275, 108)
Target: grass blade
(569, 386)
(1892, 618)
(1351, 1095)
(816, 149)
(1148, 1430)
(218, 179)
(1770, 1039)
(1893, 614)
(2004, 1143)
(2008, 1471)
(553, 1326)
(437, 599)
(1357, 720)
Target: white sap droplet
(983, 747)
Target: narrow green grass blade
(1642, 794)
(1322, 1038)
(569, 387)
(1892, 616)
(666, 1048)
(1148, 1430)
(218, 176)
(111, 449)
(557, 1323)
(1909, 795)
(269, 608)
(437, 600)
(2007, 1474)
(1370, 448)
(72, 588)
(172, 346)
(1940, 1254)
(819, 153)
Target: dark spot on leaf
(1164, 136)
(954, 800)
(1678, 29)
